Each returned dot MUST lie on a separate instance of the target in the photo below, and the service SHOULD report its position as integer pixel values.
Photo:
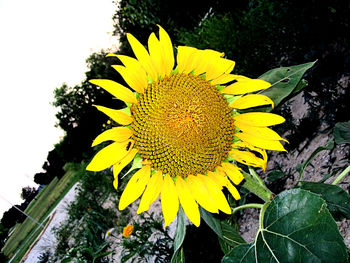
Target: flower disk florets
(183, 125)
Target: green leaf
(227, 234)
(211, 221)
(301, 85)
(102, 255)
(275, 175)
(67, 260)
(231, 235)
(301, 167)
(178, 256)
(342, 132)
(285, 81)
(295, 227)
(126, 257)
(338, 201)
(325, 177)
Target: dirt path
(47, 240)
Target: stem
(261, 216)
(255, 175)
(252, 205)
(257, 188)
(341, 175)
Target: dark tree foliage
(54, 164)
(13, 216)
(262, 34)
(3, 258)
(3, 235)
(28, 193)
(140, 17)
(76, 116)
(42, 178)
(53, 167)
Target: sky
(43, 43)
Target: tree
(42, 178)
(12, 216)
(76, 115)
(28, 193)
(54, 164)
(3, 235)
(140, 17)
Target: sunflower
(182, 128)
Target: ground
(48, 239)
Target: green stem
(255, 175)
(261, 216)
(241, 207)
(257, 188)
(341, 175)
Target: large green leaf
(285, 81)
(295, 227)
(178, 256)
(342, 132)
(338, 201)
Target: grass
(39, 209)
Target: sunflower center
(183, 125)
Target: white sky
(43, 43)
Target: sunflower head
(183, 128)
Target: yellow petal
(201, 194)
(185, 57)
(209, 62)
(244, 86)
(155, 51)
(117, 90)
(260, 132)
(224, 78)
(218, 178)
(142, 56)
(250, 101)
(247, 158)
(232, 190)
(168, 52)
(169, 200)
(218, 67)
(131, 78)
(227, 183)
(117, 134)
(115, 183)
(187, 201)
(233, 172)
(119, 166)
(134, 66)
(116, 115)
(259, 119)
(135, 187)
(250, 147)
(261, 143)
(255, 149)
(216, 193)
(108, 156)
(152, 191)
